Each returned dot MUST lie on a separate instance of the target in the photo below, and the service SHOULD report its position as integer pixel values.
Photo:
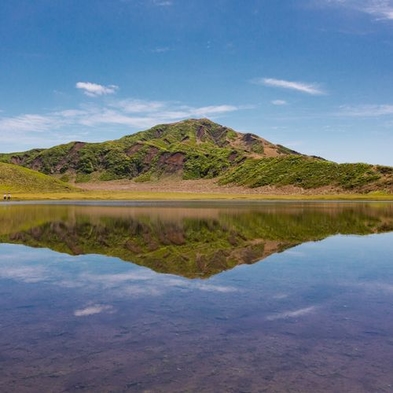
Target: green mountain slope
(190, 149)
(14, 178)
(308, 173)
(201, 149)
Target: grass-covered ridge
(309, 172)
(15, 179)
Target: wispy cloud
(162, 49)
(366, 110)
(132, 113)
(138, 106)
(308, 88)
(27, 274)
(93, 309)
(380, 9)
(279, 102)
(162, 3)
(215, 288)
(212, 110)
(96, 90)
(26, 122)
(43, 265)
(292, 314)
(135, 114)
(371, 286)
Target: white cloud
(27, 122)
(292, 314)
(308, 88)
(380, 9)
(93, 309)
(71, 113)
(212, 110)
(135, 106)
(132, 113)
(28, 274)
(134, 281)
(215, 288)
(113, 280)
(95, 90)
(24, 131)
(279, 102)
(366, 110)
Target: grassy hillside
(308, 173)
(14, 178)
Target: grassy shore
(180, 190)
(190, 196)
(27, 185)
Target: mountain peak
(190, 149)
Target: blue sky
(313, 75)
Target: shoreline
(192, 190)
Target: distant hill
(14, 178)
(200, 149)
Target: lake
(196, 297)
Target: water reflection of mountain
(188, 241)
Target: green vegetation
(308, 173)
(192, 149)
(201, 149)
(199, 166)
(15, 179)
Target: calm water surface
(269, 297)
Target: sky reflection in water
(317, 317)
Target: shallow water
(270, 297)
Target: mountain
(201, 149)
(190, 149)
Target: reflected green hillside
(191, 241)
